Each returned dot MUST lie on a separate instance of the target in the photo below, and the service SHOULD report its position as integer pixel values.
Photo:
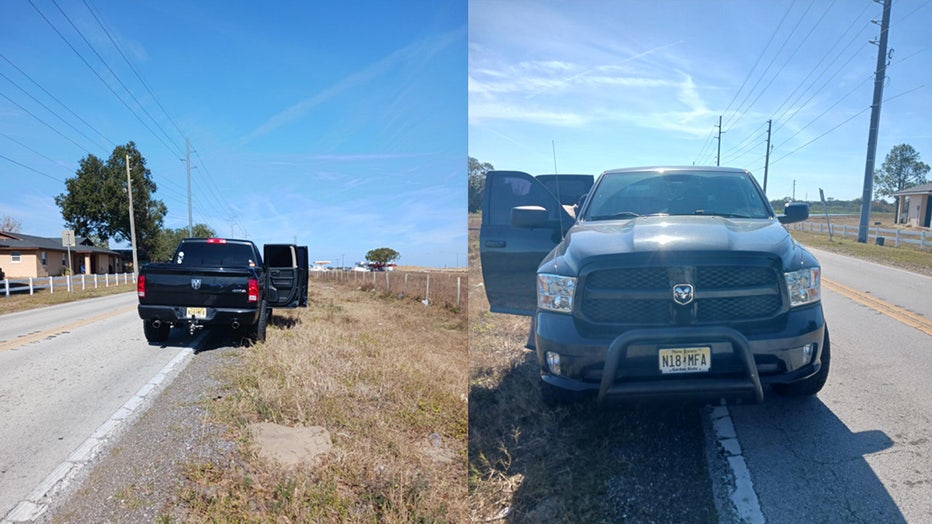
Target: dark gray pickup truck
(219, 281)
(654, 283)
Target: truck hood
(675, 233)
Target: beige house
(915, 206)
(25, 256)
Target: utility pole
(718, 155)
(132, 221)
(187, 161)
(867, 194)
(767, 156)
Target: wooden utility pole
(187, 161)
(767, 157)
(867, 194)
(718, 155)
(132, 220)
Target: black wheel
(261, 324)
(812, 385)
(155, 334)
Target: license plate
(197, 312)
(685, 360)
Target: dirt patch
(290, 446)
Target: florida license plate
(197, 312)
(685, 360)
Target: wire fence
(429, 288)
(66, 284)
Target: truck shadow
(651, 462)
(807, 465)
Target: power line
(31, 169)
(50, 95)
(115, 76)
(50, 126)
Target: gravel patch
(140, 477)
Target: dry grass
(42, 298)
(381, 375)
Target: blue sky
(634, 83)
(341, 125)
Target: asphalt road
(861, 451)
(72, 377)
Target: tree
(477, 171)
(10, 224)
(379, 258)
(168, 240)
(901, 169)
(96, 204)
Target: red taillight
(252, 290)
(141, 286)
(216, 241)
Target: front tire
(809, 386)
(155, 334)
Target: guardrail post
(31, 288)
(6, 284)
(427, 292)
(82, 282)
(458, 282)
(107, 280)
(896, 241)
(51, 286)
(922, 239)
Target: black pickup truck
(218, 281)
(655, 282)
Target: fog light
(553, 362)
(808, 350)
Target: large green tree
(168, 240)
(901, 169)
(477, 171)
(95, 202)
(381, 256)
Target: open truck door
(522, 221)
(287, 267)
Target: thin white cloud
(419, 51)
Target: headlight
(555, 293)
(804, 286)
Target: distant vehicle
(655, 282)
(218, 281)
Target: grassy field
(385, 376)
(42, 298)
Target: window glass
(512, 191)
(16, 257)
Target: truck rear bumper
(179, 315)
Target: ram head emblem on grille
(683, 294)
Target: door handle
(494, 243)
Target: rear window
(218, 255)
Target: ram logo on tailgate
(195, 283)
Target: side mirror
(794, 212)
(530, 217)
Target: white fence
(65, 284)
(920, 238)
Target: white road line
(744, 505)
(39, 501)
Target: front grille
(643, 296)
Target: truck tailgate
(171, 285)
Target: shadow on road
(808, 466)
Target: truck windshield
(229, 254)
(647, 193)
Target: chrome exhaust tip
(236, 324)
